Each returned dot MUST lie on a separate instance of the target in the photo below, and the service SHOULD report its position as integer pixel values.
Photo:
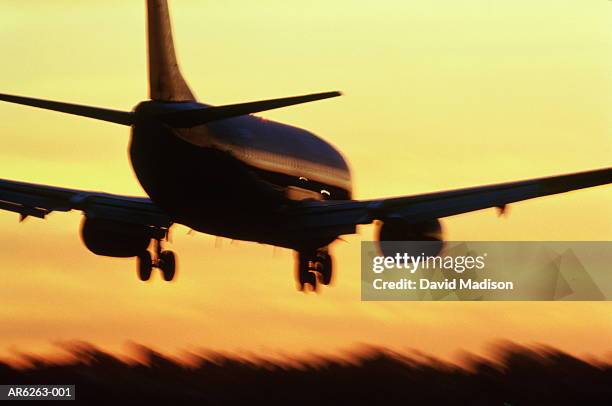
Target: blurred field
(514, 375)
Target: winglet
(199, 116)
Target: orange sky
(438, 95)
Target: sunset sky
(438, 95)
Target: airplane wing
(33, 200)
(418, 208)
(38, 200)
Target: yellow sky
(439, 95)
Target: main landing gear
(164, 261)
(314, 268)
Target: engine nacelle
(428, 232)
(115, 239)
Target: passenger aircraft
(220, 170)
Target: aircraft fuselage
(233, 177)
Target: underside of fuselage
(233, 178)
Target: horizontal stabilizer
(192, 118)
(113, 116)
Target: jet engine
(396, 234)
(115, 239)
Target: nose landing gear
(164, 260)
(314, 268)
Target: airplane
(221, 170)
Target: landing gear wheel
(305, 274)
(167, 264)
(145, 266)
(325, 268)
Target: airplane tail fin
(166, 83)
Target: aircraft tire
(145, 266)
(305, 275)
(325, 269)
(167, 264)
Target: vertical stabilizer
(166, 83)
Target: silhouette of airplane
(219, 170)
